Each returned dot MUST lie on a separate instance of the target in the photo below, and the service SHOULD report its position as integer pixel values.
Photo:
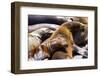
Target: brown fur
(67, 29)
(68, 37)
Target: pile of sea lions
(51, 37)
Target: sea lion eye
(65, 45)
(82, 29)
